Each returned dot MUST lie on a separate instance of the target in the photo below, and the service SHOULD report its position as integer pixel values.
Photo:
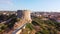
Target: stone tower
(24, 14)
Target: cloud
(6, 2)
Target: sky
(34, 5)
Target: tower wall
(24, 14)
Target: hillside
(39, 26)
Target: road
(18, 26)
(18, 29)
(7, 21)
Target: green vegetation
(47, 26)
(30, 26)
(8, 25)
(43, 26)
(38, 26)
(2, 27)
